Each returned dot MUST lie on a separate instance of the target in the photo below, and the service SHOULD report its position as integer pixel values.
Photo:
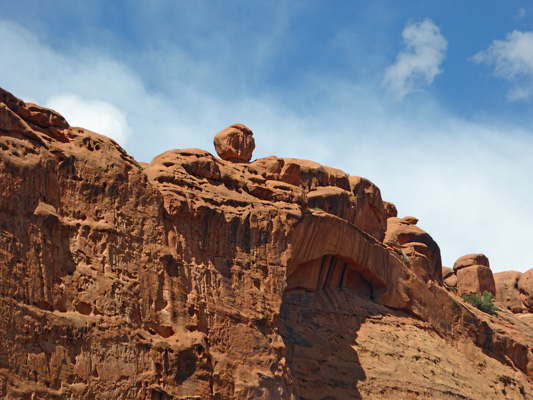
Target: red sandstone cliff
(200, 278)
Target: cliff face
(202, 278)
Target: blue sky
(430, 100)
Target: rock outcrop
(474, 274)
(208, 278)
(235, 143)
(390, 209)
(507, 292)
(525, 286)
(514, 290)
(417, 247)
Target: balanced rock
(474, 274)
(235, 143)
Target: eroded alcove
(334, 283)
(331, 271)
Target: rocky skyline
(430, 100)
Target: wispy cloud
(419, 63)
(464, 180)
(96, 115)
(521, 13)
(512, 59)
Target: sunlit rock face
(235, 143)
(508, 292)
(471, 274)
(206, 278)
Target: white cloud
(419, 63)
(96, 115)
(466, 181)
(522, 13)
(512, 59)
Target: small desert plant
(481, 301)
(138, 165)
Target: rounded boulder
(470, 260)
(235, 143)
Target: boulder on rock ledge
(474, 274)
(470, 260)
(235, 143)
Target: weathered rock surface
(472, 275)
(507, 292)
(419, 250)
(525, 286)
(471, 260)
(201, 278)
(331, 332)
(390, 209)
(446, 272)
(475, 279)
(235, 143)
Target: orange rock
(527, 318)
(235, 143)
(474, 274)
(204, 278)
(370, 211)
(475, 279)
(304, 173)
(354, 199)
(410, 220)
(390, 209)
(419, 249)
(446, 272)
(525, 286)
(451, 281)
(449, 278)
(507, 292)
(471, 259)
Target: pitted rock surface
(525, 286)
(507, 291)
(201, 278)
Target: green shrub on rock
(481, 301)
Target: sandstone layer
(205, 278)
